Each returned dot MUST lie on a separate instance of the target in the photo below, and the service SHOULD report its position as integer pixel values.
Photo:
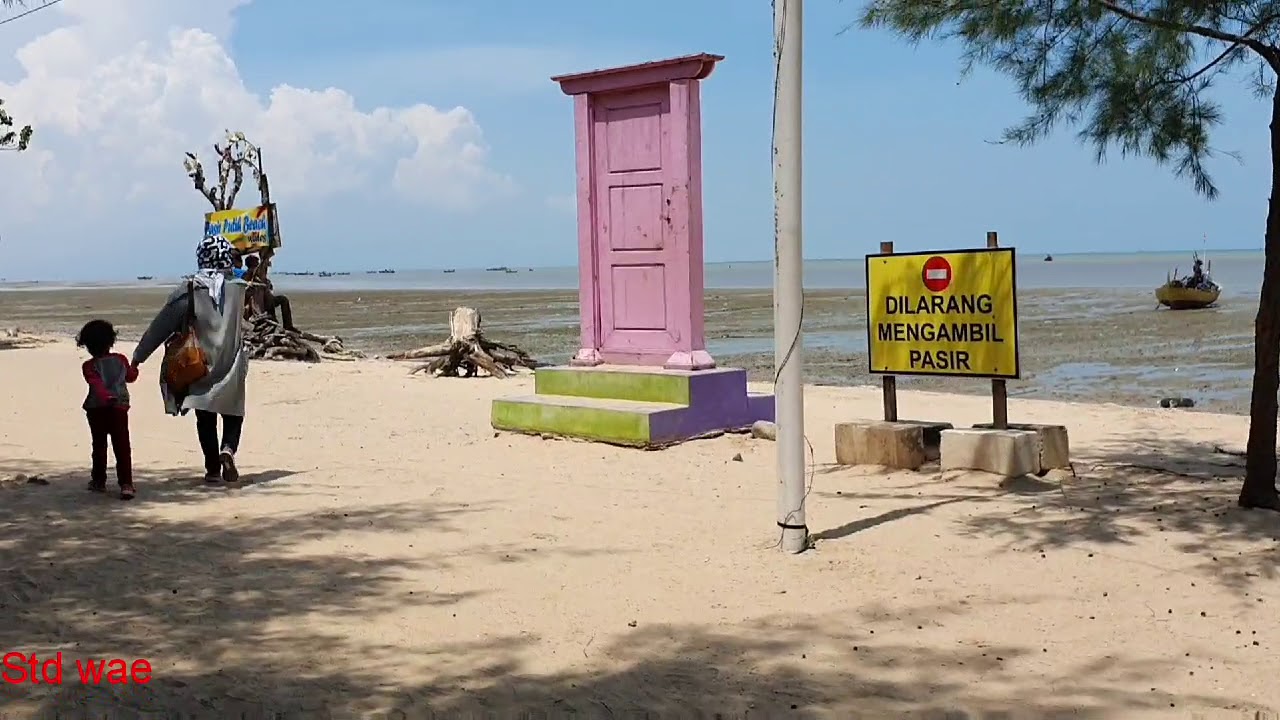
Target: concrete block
(932, 435)
(1055, 447)
(1011, 453)
(897, 445)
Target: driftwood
(18, 338)
(266, 339)
(467, 351)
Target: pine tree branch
(1253, 44)
(1209, 66)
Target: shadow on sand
(1122, 492)
(95, 579)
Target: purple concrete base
(761, 406)
(718, 401)
(635, 406)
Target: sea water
(1237, 271)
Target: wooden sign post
(889, 383)
(944, 313)
(999, 391)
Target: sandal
(127, 492)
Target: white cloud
(122, 88)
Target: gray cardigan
(220, 335)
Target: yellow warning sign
(943, 313)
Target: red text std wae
(18, 668)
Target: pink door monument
(641, 375)
(639, 163)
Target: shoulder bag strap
(191, 304)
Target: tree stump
(467, 351)
(266, 339)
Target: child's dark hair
(97, 336)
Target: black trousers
(207, 430)
(286, 312)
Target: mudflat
(1086, 345)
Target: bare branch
(224, 170)
(234, 154)
(237, 173)
(195, 171)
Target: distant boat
(146, 277)
(500, 268)
(509, 271)
(1194, 292)
(450, 271)
(1048, 258)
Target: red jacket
(108, 377)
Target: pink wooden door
(639, 259)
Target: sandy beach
(390, 555)
(1083, 344)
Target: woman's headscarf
(214, 259)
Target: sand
(1087, 345)
(390, 552)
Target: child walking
(107, 405)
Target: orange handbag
(185, 361)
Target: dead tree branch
(235, 153)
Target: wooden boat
(1185, 298)
(1193, 292)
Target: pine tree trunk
(1259, 489)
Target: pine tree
(11, 137)
(1135, 76)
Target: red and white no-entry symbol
(936, 274)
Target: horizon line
(1100, 253)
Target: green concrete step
(635, 383)
(624, 422)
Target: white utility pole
(788, 280)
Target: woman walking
(209, 304)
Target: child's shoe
(97, 486)
(127, 492)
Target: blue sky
(895, 143)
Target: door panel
(636, 263)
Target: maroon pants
(111, 423)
